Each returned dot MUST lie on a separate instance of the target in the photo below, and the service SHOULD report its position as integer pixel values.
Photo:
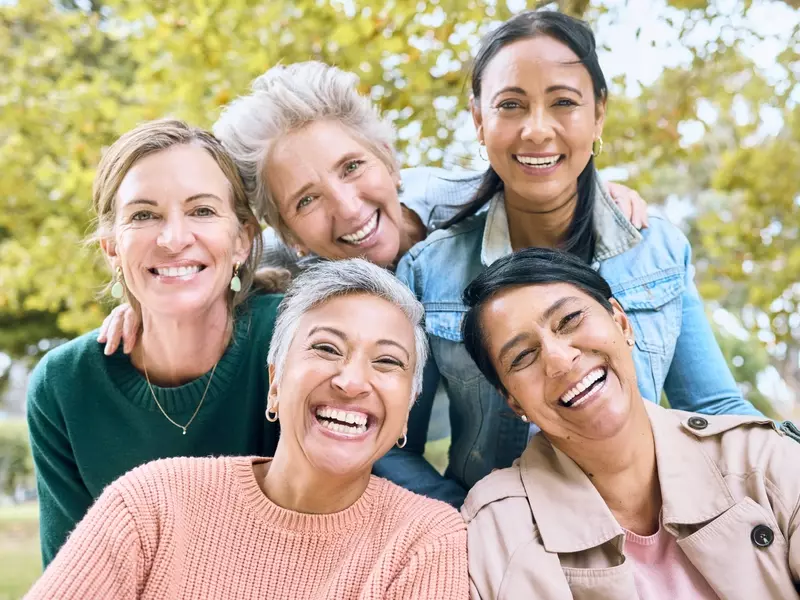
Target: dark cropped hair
(577, 36)
(532, 266)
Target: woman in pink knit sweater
(345, 364)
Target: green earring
(118, 290)
(236, 283)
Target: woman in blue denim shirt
(538, 104)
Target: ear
(514, 405)
(109, 248)
(599, 118)
(244, 242)
(477, 118)
(272, 395)
(622, 320)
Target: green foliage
(16, 462)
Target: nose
(176, 234)
(346, 201)
(538, 126)
(352, 379)
(558, 357)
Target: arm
(102, 559)
(63, 497)
(438, 570)
(407, 466)
(699, 379)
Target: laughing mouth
(579, 392)
(342, 421)
(178, 272)
(544, 162)
(366, 230)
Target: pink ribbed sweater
(201, 528)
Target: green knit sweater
(92, 417)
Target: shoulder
(426, 518)
(468, 231)
(169, 483)
(435, 194)
(257, 316)
(495, 493)
(663, 233)
(65, 363)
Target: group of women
(553, 316)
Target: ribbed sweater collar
(183, 398)
(329, 524)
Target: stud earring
(630, 342)
(117, 290)
(524, 418)
(597, 147)
(300, 253)
(236, 283)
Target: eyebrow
(341, 334)
(347, 157)
(191, 198)
(512, 89)
(559, 87)
(551, 310)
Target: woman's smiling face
(176, 235)
(563, 359)
(538, 117)
(345, 388)
(337, 198)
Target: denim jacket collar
(692, 487)
(615, 234)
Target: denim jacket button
(762, 536)
(697, 423)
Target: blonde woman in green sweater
(181, 240)
(346, 361)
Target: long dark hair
(531, 266)
(576, 35)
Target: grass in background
(20, 561)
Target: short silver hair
(287, 98)
(333, 279)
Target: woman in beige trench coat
(616, 498)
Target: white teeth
(582, 385)
(178, 271)
(346, 429)
(342, 416)
(366, 230)
(541, 163)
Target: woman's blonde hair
(156, 136)
(285, 99)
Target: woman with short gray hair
(345, 364)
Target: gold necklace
(158, 404)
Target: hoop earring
(236, 283)
(405, 439)
(597, 147)
(117, 290)
(482, 147)
(270, 418)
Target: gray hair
(287, 98)
(333, 279)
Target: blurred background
(703, 120)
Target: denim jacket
(650, 274)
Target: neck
(541, 229)
(413, 231)
(303, 489)
(175, 351)
(623, 470)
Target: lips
(364, 232)
(585, 389)
(348, 422)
